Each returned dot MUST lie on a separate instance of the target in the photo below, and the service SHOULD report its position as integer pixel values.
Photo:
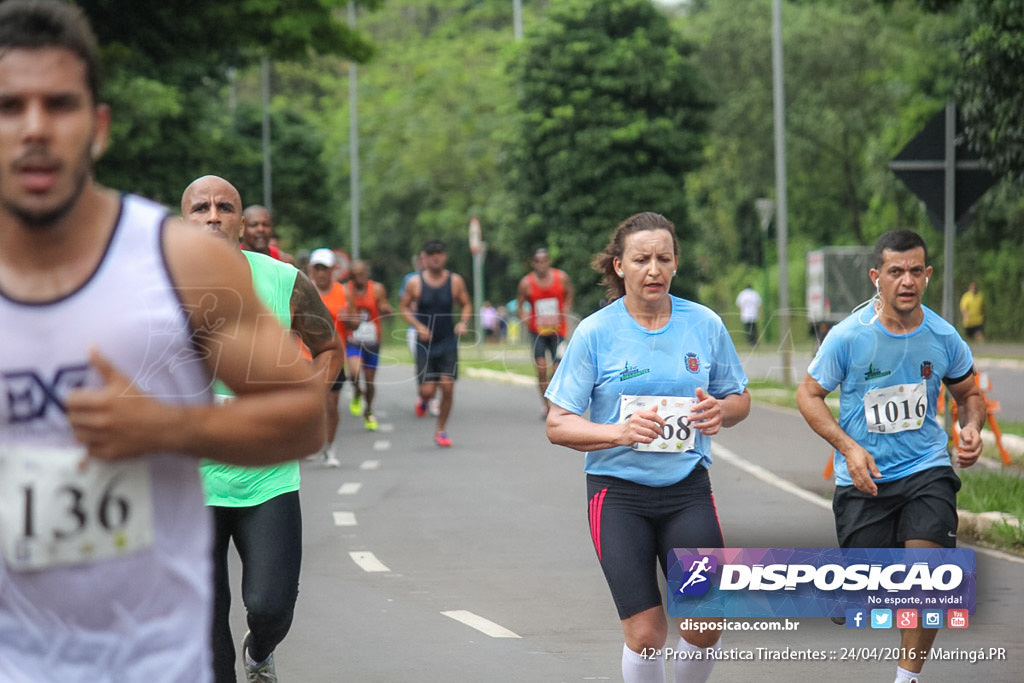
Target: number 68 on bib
(676, 435)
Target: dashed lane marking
(368, 562)
(344, 519)
(370, 465)
(349, 488)
(485, 626)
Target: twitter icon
(881, 618)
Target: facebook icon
(856, 618)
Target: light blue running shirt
(860, 356)
(610, 354)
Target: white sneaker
(435, 406)
(264, 672)
(331, 460)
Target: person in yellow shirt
(972, 310)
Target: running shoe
(356, 406)
(330, 459)
(421, 408)
(370, 422)
(435, 406)
(264, 672)
(442, 440)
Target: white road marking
(370, 465)
(349, 488)
(382, 445)
(767, 477)
(386, 427)
(368, 562)
(344, 519)
(485, 626)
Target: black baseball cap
(434, 247)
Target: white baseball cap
(322, 257)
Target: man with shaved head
(259, 507)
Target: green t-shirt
(233, 485)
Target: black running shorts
(921, 506)
(634, 527)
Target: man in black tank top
(427, 305)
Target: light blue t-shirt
(860, 356)
(611, 354)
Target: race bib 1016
(677, 435)
(898, 408)
(59, 508)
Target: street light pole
(353, 140)
(765, 207)
(478, 248)
(782, 208)
(268, 200)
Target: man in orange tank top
(549, 294)
(366, 302)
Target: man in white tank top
(114, 320)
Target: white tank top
(143, 615)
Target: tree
(860, 79)
(169, 63)
(988, 90)
(611, 123)
(429, 108)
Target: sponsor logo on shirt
(632, 372)
(875, 373)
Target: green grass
(985, 490)
(1010, 427)
(988, 491)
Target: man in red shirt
(549, 294)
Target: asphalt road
(474, 563)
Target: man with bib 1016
(895, 484)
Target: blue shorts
(370, 353)
(634, 527)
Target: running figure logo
(697, 568)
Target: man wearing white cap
(321, 271)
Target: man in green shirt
(259, 506)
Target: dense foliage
(611, 118)
(606, 107)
